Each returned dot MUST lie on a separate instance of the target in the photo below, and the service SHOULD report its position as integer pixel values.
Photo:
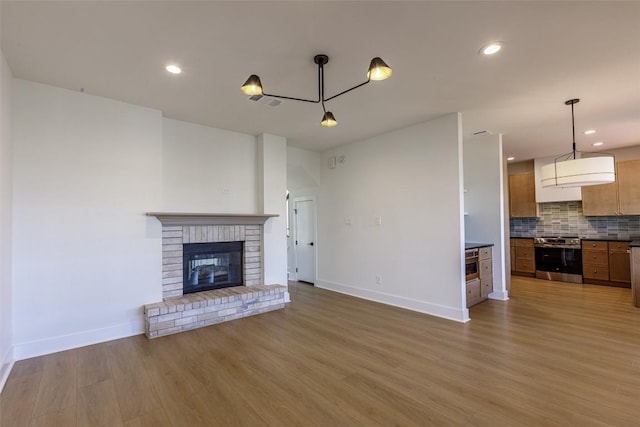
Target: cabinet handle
(595, 256)
(594, 245)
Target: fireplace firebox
(210, 266)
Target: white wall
(86, 259)
(200, 169)
(412, 179)
(272, 172)
(6, 323)
(303, 182)
(484, 202)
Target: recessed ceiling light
(597, 144)
(491, 48)
(589, 132)
(173, 69)
(511, 158)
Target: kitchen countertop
(472, 245)
(604, 239)
(595, 239)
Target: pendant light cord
(573, 130)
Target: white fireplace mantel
(189, 218)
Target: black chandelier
(378, 70)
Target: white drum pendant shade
(579, 172)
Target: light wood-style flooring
(556, 354)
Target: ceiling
(553, 51)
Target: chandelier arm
(291, 98)
(348, 90)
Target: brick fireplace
(174, 237)
(177, 311)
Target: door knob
(311, 244)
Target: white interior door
(305, 232)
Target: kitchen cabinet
(522, 196)
(619, 263)
(479, 289)
(512, 253)
(524, 262)
(486, 272)
(618, 198)
(628, 180)
(635, 272)
(606, 263)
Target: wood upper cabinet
(628, 180)
(619, 198)
(600, 200)
(522, 196)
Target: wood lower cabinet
(522, 196)
(606, 263)
(619, 198)
(479, 289)
(524, 260)
(486, 272)
(619, 263)
(473, 292)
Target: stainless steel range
(559, 258)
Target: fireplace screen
(212, 266)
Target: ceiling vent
(482, 133)
(269, 101)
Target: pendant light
(573, 170)
(378, 70)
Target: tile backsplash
(566, 219)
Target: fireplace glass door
(212, 266)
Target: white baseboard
(5, 369)
(451, 313)
(35, 348)
(499, 295)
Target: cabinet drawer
(486, 287)
(595, 245)
(486, 269)
(525, 265)
(595, 257)
(599, 272)
(618, 246)
(484, 253)
(522, 253)
(524, 242)
(473, 292)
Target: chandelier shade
(252, 86)
(572, 170)
(579, 172)
(328, 120)
(378, 70)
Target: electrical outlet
(378, 280)
(347, 221)
(378, 220)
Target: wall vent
(269, 101)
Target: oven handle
(557, 246)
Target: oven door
(472, 269)
(559, 260)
